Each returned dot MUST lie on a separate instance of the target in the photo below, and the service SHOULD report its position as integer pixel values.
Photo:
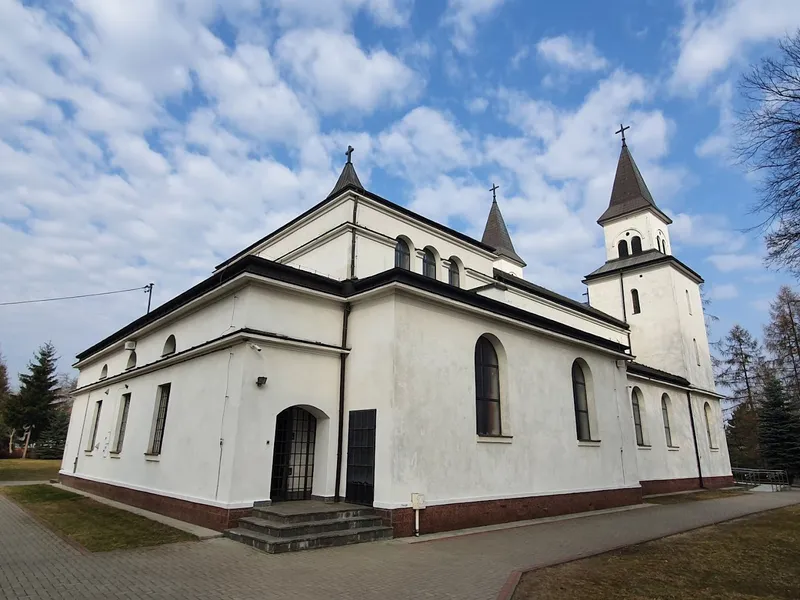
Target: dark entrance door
(361, 457)
(293, 455)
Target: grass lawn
(28, 469)
(750, 558)
(95, 526)
(695, 496)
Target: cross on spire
(622, 130)
(494, 189)
(349, 153)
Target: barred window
(429, 264)
(453, 273)
(161, 418)
(402, 255)
(665, 415)
(123, 422)
(637, 416)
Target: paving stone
(37, 564)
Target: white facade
(317, 316)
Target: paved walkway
(35, 563)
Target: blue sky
(147, 141)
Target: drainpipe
(694, 438)
(342, 379)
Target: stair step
(275, 545)
(273, 514)
(283, 530)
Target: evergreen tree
(53, 439)
(737, 366)
(782, 340)
(5, 394)
(32, 406)
(741, 431)
(778, 429)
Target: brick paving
(35, 563)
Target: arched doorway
(293, 455)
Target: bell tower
(645, 285)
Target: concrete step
(277, 514)
(330, 539)
(283, 530)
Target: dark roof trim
(604, 220)
(645, 371)
(249, 264)
(609, 268)
(475, 300)
(538, 290)
(382, 201)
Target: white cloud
(570, 53)
(339, 75)
(477, 105)
(339, 13)
(463, 17)
(425, 142)
(735, 262)
(723, 291)
(720, 143)
(710, 41)
(705, 230)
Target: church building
(421, 376)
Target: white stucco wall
(189, 460)
(645, 224)
(437, 451)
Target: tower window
(635, 300)
(696, 351)
(688, 302)
(636, 245)
(622, 248)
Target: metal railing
(777, 478)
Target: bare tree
(769, 142)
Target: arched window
(169, 346)
(636, 403)
(581, 401)
(709, 418)
(487, 388)
(402, 255)
(688, 302)
(665, 416)
(622, 248)
(429, 263)
(636, 245)
(696, 351)
(658, 243)
(637, 308)
(104, 372)
(454, 272)
(131, 360)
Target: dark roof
(348, 177)
(538, 290)
(496, 235)
(630, 193)
(375, 198)
(648, 257)
(345, 289)
(645, 371)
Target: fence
(778, 479)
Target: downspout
(694, 438)
(222, 418)
(343, 357)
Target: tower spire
(629, 193)
(495, 234)
(348, 177)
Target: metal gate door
(293, 455)
(361, 457)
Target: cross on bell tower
(622, 130)
(494, 189)
(349, 154)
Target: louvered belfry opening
(293, 455)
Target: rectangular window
(93, 438)
(123, 422)
(161, 419)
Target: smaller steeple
(496, 233)
(348, 176)
(629, 193)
